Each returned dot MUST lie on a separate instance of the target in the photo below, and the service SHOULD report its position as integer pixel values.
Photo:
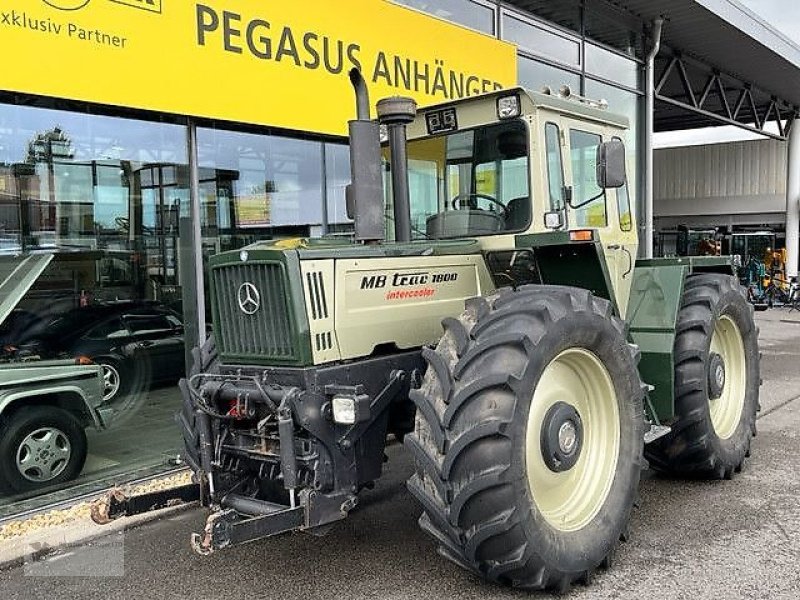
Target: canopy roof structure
(719, 63)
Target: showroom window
(535, 75)
(471, 14)
(96, 202)
(255, 186)
(542, 40)
(337, 177)
(611, 66)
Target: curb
(34, 536)
(30, 548)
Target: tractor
(490, 312)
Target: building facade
(134, 159)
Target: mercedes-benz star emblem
(249, 298)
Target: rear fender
(655, 300)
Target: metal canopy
(719, 62)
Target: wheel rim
(111, 381)
(570, 499)
(726, 410)
(43, 454)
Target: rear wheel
(40, 446)
(716, 382)
(528, 441)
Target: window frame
(563, 204)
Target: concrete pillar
(793, 201)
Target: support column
(191, 257)
(650, 107)
(793, 201)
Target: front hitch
(230, 525)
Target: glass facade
(108, 195)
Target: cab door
(592, 207)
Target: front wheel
(40, 446)
(529, 435)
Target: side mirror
(611, 164)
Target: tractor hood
(17, 275)
(321, 248)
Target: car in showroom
(135, 343)
(45, 405)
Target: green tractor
(565, 366)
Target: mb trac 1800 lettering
(490, 312)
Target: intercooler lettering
(403, 294)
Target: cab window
(468, 183)
(588, 199)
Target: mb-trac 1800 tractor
(565, 365)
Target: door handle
(614, 247)
(630, 262)
(146, 344)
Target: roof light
(581, 235)
(508, 107)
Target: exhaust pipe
(396, 113)
(362, 95)
(364, 195)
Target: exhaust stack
(396, 113)
(364, 195)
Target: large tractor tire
(529, 436)
(717, 379)
(204, 361)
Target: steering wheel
(456, 202)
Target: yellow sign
(268, 62)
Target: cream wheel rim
(726, 410)
(571, 499)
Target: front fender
(31, 381)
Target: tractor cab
(518, 163)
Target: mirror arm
(584, 203)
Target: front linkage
(280, 450)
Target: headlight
(508, 107)
(350, 409)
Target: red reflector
(581, 235)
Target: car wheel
(40, 446)
(113, 383)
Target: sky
(784, 15)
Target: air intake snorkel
(364, 194)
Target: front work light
(350, 409)
(508, 107)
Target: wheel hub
(562, 437)
(43, 454)
(716, 376)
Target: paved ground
(734, 540)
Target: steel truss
(743, 112)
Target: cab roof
(531, 101)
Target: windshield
(468, 183)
